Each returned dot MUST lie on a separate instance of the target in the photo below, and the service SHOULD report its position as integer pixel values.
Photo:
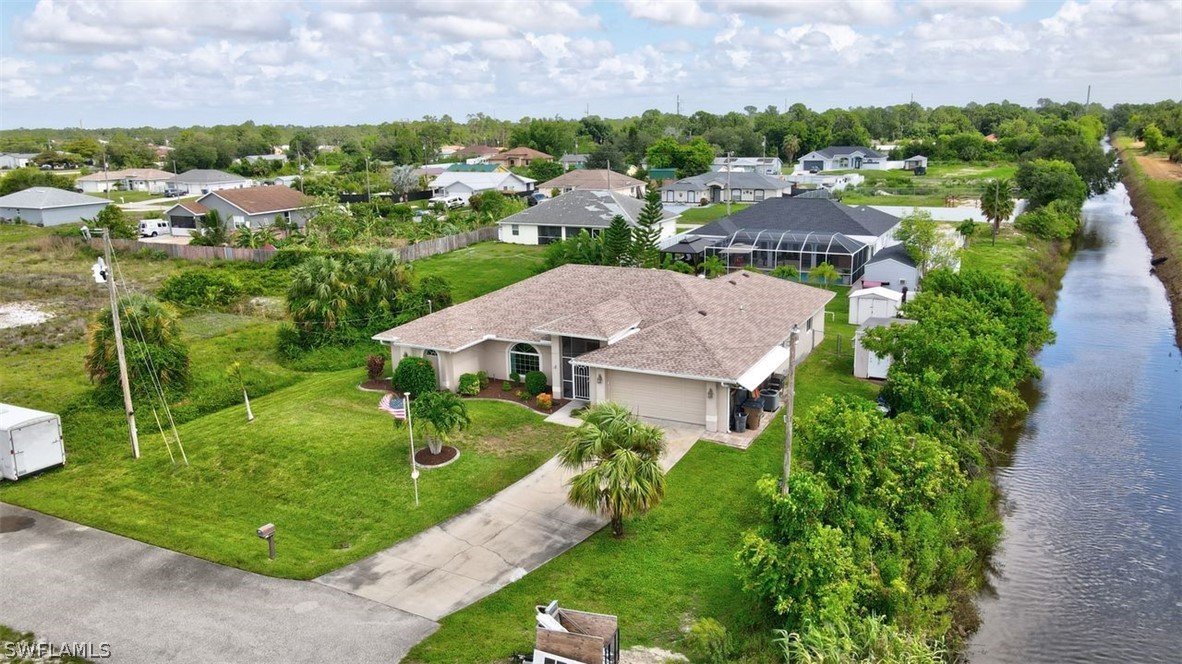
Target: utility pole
(368, 193)
(123, 382)
(789, 400)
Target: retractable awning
(766, 366)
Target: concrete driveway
(450, 566)
(70, 583)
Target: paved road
(70, 583)
(450, 566)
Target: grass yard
(1010, 254)
(320, 461)
(675, 563)
(904, 200)
(126, 196)
(697, 216)
(482, 268)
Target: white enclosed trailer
(30, 440)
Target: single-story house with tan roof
(670, 346)
(258, 206)
(152, 180)
(594, 178)
(518, 157)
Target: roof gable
(40, 198)
(587, 208)
(591, 178)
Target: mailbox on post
(267, 532)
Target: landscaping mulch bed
(379, 385)
(494, 391)
(426, 459)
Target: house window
(524, 358)
(548, 234)
(736, 194)
(808, 324)
(515, 229)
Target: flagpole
(414, 468)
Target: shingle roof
(745, 161)
(591, 178)
(737, 180)
(478, 150)
(207, 176)
(260, 200)
(521, 151)
(804, 215)
(688, 326)
(477, 181)
(586, 208)
(40, 198)
(125, 174)
(896, 252)
(838, 150)
(577, 158)
(193, 207)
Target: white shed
(877, 302)
(30, 440)
(866, 363)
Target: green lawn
(677, 562)
(1008, 255)
(911, 201)
(320, 461)
(482, 268)
(701, 215)
(126, 196)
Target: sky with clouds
(108, 63)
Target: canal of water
(1088, 569)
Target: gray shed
(30, 440)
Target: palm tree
(997, 202)
(620, 462)
(153, 343)
(213, 231)
(786, 272)
(790, 146)
(824, 273)
(319, 294)
(443, 413)
(713, 267)
(265, 237)
(244, 238)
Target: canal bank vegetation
(1154, 182)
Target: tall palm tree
(244, 238)
(152, 335)
(824, 273)
(620, 462)
(790, 146)
(997, 202)
(443, 413)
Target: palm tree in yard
(824, 273)
(443, 413)
(619, 460)
(997, 202)
(319, 293)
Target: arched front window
(524, 358)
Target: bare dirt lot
(1160, 168)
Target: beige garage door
(661, 397)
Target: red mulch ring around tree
(379, 385)
(446, 455)
(494, 391)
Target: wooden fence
(440, 245)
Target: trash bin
(771, 400)
(740, 422)
(754, 410)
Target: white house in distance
(203, 181)
(49, 206)
(842, 157)
(152, 180)
(466, 183)
(765, 165)
(594, 178)
(15, 159)
(717, 187)
(669, 346)
(866, 363)
(562, 217)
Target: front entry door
(582, 382)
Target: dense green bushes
(535, 383)
(153, 347)
(415, 375)
(201, 289)
(1059, 220)
(469, 385)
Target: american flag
(396, 407)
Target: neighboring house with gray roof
(203, 181)
(49, 206)
(764, 165)
(571, 161)
(15, 159)
(669, 346)
(563, 217)
(466, 183)
(715, 187)
(842, 157)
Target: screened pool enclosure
(767, 250)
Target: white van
(451, 202)
(154, 227)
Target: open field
(482, 268)
(943, 180)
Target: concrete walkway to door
(450, 566)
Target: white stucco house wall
(466, 183)
(257, 207)
(203, 181)
(151, 180)
(842, 157)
